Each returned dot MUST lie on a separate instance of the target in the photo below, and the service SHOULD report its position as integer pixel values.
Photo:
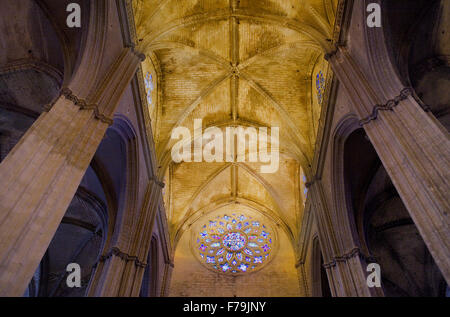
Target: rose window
(234, 244)
(234, 241)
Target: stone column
(412, 145)
(41, 174)
(165, 285)
(302, 279)
(345, 268)
(121, 270)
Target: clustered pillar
(413, 147)
(41, 174)
(121, 270)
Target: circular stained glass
(234, 243)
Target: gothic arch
(342, 214)
(421, 56)
(373, 221)
(81, 235)
(343, 217)
(128, 210)
(150, 280)
(111, 198)
(289, 149)
(385, 73)
(320, 285)
(37, 61)
(316, 287)
(302, 28)
(117, 159)
(213, 206)
(72, 43)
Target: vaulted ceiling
(230, 62)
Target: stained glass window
(234, 244)
(320, 86)
(149, 87)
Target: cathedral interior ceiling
(229, 62)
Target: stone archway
(383, 227)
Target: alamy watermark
(374, 278)
(74, 18)
(235, 145)
(74, 277)
(374, 18)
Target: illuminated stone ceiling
(228, 62)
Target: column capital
(335, 49)
(136, 52)
(81, 103)
(69, 95)
(124, 256)
(355, 252)
(170, 263)
(157, 182)
(388, 106)
(312, 181)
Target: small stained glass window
(320, 86)
(149, 87)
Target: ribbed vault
(248, 63)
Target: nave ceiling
(235, 63)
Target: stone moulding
(157, 182)
(314, 179)
(124, 256)
(389, 106)
(68, 94)
(32, 64)
(345, 257)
